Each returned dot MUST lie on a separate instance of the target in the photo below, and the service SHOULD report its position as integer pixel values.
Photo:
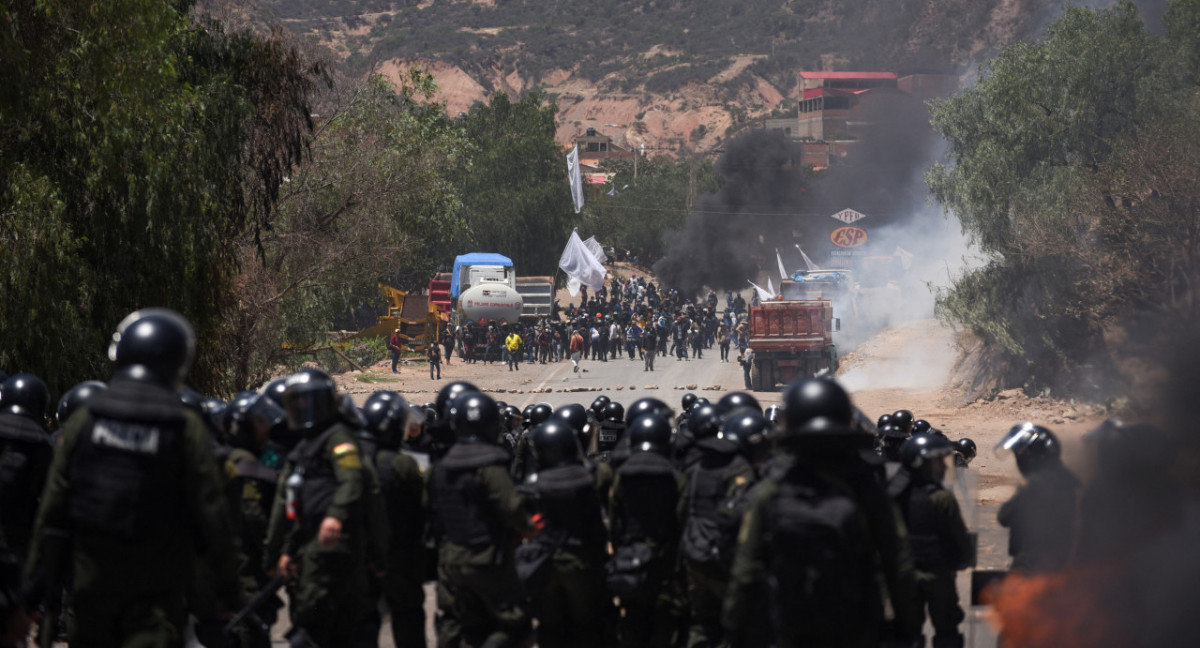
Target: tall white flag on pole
(808, 263)
(596, 249)
(770, 288)
(581, 266)
(763, 295)
(783, 275)
(576, 178)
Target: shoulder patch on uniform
(344, 448)
(346, 456)
(739, 480)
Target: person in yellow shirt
(513, 343)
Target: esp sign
(849, 216)
(848, 237)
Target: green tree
(134, 143)
(1041, 177)
(515, 196)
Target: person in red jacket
(577, 349)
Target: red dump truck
(792, 339)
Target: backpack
(821, 572)
(702, 532)
(628, 573)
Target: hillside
(661, 73)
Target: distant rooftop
(848, 75)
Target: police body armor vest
(127, 461)
(649, 497)
(406, 523)
(610, 434)
(917, 507)
(320, 482)
(25, 454)
(567, 498)
(464, 516)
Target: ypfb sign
(849, 216)
(848, 237)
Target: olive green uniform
(134, 490)
(480, 512)
(887, 550)
(250, 488)
(329, 599)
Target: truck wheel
(768, 377)
(756, 377)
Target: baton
(247, 612)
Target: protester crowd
(714, 524)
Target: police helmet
(599, 404)
(386, 413)
(573, 415)
(751, 432)
(966, 448)
(773, 414)
(892, 431)
(646, 406)
(539, 414)
(921, 450)
(254, 415)
(737, 400)
(904, 420)
(474, 417)
(921, 426)
(274, 390)
(614, 412)
(77, 396)
(310, 401)
(884, 419)
(704, 422)
(555, 444)
(1034, 447)
(813, 398)
(191, 399)
(688, 400)
(511, 416)
(26, 395)
(650, 433)
(448, 393)
(155, 344)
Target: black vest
(126, 466)
(567, 497)
(320, 482)
(929, 553)
(25, 455)
(462, 512)
(649, 497)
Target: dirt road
(908, 366)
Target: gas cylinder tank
(493, 302)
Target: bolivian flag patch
(346, 456)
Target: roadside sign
(848, 237)
(849, 216)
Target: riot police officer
(134, 540)
(24, 459)
(940, 541)
(820, 527)
(479, 511)
(319, 526)
(1040, 516)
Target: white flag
(808, 263)
(783, 275)
(906, 257)
(580, 266)
(596, 249)
(574, 175)
(770, 288)
(763, 295)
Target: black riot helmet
(921, 426)
(883, 420)
(704, 422)
(77, 396)
(774, 414)
(573, 415)
(386, 414)
(738, 400)
(447, 395)
(688, 400)
(650, 433)
(751, 432)
(555, 444)
(26, 395)
(474, 418)
(539, 414)
(525, 414)
(274, 390)
(921, 452)
(966, 449)
(310, 401)
(1034, 446)
(598, 405)
(252, 419)
(904, 420)
(154, 344)
(191, 399)
(812, 398)
(646, 406)
(215, 412)
(511, 416)
(614, 412)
